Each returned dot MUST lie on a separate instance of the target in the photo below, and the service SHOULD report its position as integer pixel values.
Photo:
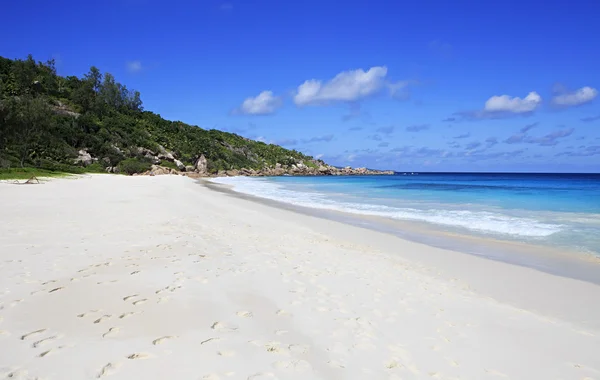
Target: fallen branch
(31, 181)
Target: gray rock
(84, 158)
(159, 170)
(201, 165)
(117, 149)
(179, 164)
(164, 154)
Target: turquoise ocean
(558, 210)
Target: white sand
(161, 278)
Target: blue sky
(411, 86)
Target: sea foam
(480, 221)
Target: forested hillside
(67, 123)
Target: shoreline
(160, 277)
(576, 265)
(488, 279)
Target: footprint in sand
(49, 352)
(16, 374)
(244, 314)
(163, 339)
(210, 340)
(44, 341)
(274, 347)
(139, 302)
(109, 369)
(135, 272)
(127, 315)
(15, 302)
(90, 312)
(298, 349)
(102, 318)
(33, 333)
(221, 327)
(111, 332)
(139, 355)
(130, 297)
(392, 363)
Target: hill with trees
(95, 124)
(52, 122)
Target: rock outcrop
(179, 164)
(147, 153)
(297, 169)
(84, 158)
(201, 165)
(164, 154)
(160, 170)
(200, 168)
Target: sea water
(560, 210)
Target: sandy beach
(107, 276)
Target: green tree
(26, 119)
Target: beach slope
(163, 278)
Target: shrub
(168, 164)
(134, 165)
(95, 168)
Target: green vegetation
(168, 164)
(134, 165)
(26, 173)
(46, 119)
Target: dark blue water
(556, 209)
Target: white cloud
(134, 66)
(263, 104)
(575, 98)
(505, 103)
(346, 86)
